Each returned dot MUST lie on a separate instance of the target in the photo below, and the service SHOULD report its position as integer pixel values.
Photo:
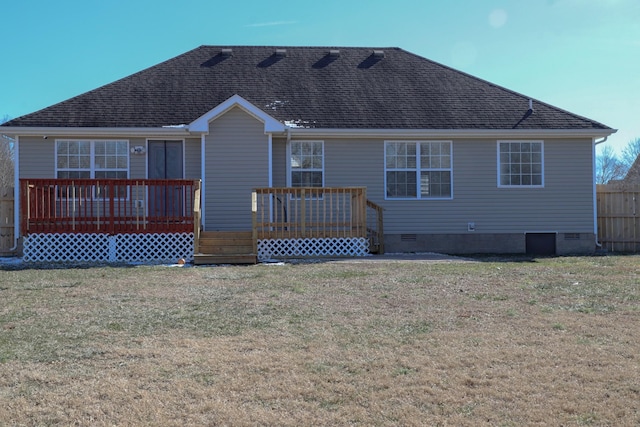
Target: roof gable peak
(201, 124)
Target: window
(418, 170)
(520, 164)
(307, 163)
(93, 159)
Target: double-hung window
(307, 163)
(86, 159)
(520, 164)
(418, 169)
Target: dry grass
(504, 343)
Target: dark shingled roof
(307, 85)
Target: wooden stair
(225, 247)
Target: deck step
(205, 259)
(225, 247)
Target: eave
(95, 131)
(182, 132)
(451, 133)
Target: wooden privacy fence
(619, 217)
(6, 220)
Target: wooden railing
(107, 205)
(308, 212)
(375, 227)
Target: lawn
(503, 342)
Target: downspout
(203, 183)
(595, 195)
(270, 160)
(16, 194)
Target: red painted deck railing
(111, 206)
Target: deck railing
(109, 206)
(375, 227)
(309, 212)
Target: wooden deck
(326, 221)
(295, 215)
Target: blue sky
(579, 55)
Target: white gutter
(313, 132)
(95, 131)
(16, 193)
(595, 192)
(450, 133)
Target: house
(632, 176)
(307, 151)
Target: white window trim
(92, 166)
(500, 141)
(290, 169)
(418, 169)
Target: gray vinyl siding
(37, 157)
(565, 204)
(137, 162)
(355, 163)
(279, 156)
(236, 161)
(192, 156)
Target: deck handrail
(309, 212)
(375, 225)
(110, 206)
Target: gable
(201, 124)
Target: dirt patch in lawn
(393, 342)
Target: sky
(579, 55)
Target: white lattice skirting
(157, 247)
(321, 247)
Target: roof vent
(281, 53)
(226, 52)
(378, 54)
(334, 53)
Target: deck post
(254, 220)
(303, 213)
(196, 217)
(25, 208)
(363, 212)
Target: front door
(165, 161)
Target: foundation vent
(408, 238)
(571, 236)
